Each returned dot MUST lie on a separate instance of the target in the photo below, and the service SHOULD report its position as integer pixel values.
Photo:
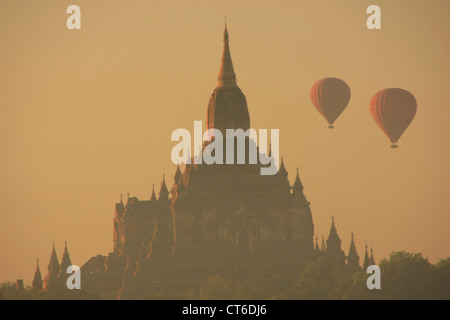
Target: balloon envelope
(393, 109)
(330, 96)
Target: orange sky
(86, 115)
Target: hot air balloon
(330, 96)
(393, 109)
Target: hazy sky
(86, 115)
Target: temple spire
(298, 186)
(366, 259)
(37, 280)
(334, 250)
(323, 246)
(353, 258)
(153, 197)
(227, 107)
(53, 269)
(282, 167)
(352, 243)
(297, 189)
(163, 192)
(333, 238)
(227, 77)
(65, 263)
(372, 259)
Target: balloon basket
(394, 146)
(330, 126)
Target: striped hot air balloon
(393, 109)
(330, 96)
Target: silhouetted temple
(226, 220)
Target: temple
(226, 220)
